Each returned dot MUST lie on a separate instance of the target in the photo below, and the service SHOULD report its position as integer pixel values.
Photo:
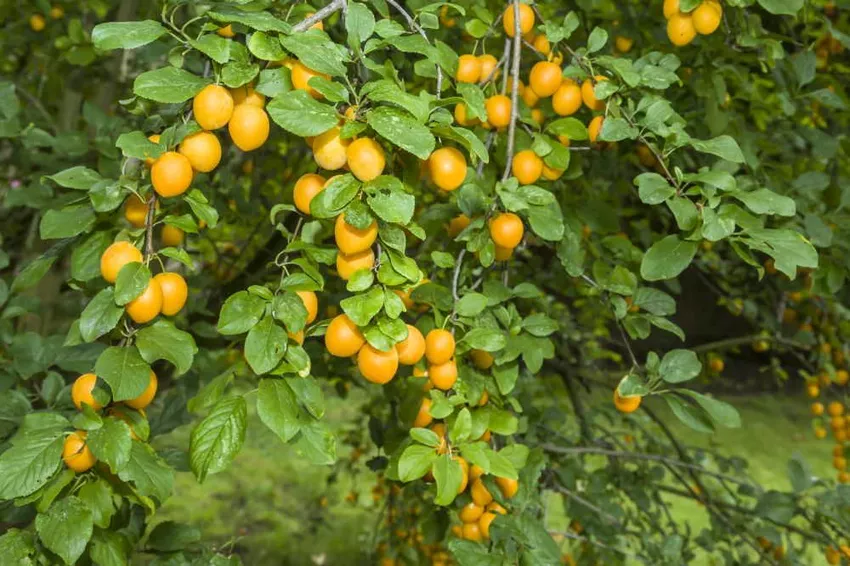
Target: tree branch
(149, 227)
(310, 21)
(743, 340)
(515, 54)
(417, 28)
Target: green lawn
(269, 504)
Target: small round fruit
(527, 167)
(171, 235)
(471, 531)
(671, 7)
(626, 404)
(306, 188)
(503, 254)
(301, 75)
(470, 512)
(567, 99)
(174, 292)
(623, 44)
(484, 523)
(203, 150)
(447, 168)
(247, 95)
(589, 97)
(171, 174)
(249, 127)
(365, 159)
(343, 338)
(594, 127)
(352, 240)
(530, 97)
(707, 16)
(443, 376)
(329, 150)
(551, 174)
(460, 114)
(480, 495)
(311, 304)
(347, 265)
(117, 256)
(541, 44)
(146, 396)
(506, 230)
(481, 359)
(508, 487)
(439, 346)
(226, 31)
(298, 337)
(498, 110)
(377, 366)
(526, 20)
(545, 78)
(135, 211)
(155, 139)
(81, 392)
(468, 69)
(423, 417)
(146, 306)
(411, 349)
(457, 225)
(37, 22)
(76, 453)
(212, 107)
(488, 66)
(57, 12)
(680, 29)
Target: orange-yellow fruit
(346, 265)
(707, 16)
(671, 7)
(301, 75)
(174, 292)
(551, 174)
(496, 508)
(567, 99)
(81, 392)
(588, 96)
(457, 225)
(594, 127)
(155, 139)
(439, 346)
(423, 417)
(56, 12)
(835, 408)
(147, 395)
(365, 159)
(503, 254)
(76, 453)
(171, 174)
(480, 495)
(117, 256)
(481, 359)
(530, 97)
(212, 107)
(545, 78)
(311, 304)
(377, 366)
(498, 110)
(471, 531)
(352, 240)
(508, 487)
(146, 306)
(343, 338)
(203, 150)
(249, 127)
(470, 512)
(468, 69)
(538, 116)
(680, 29)
(626, 404)
(247, 95)
(488, 65)
(817, 409)
(506, 230)
(37, 22)
(527, 167)
(623, 44)
(411, 349)
(541, 44)
(447, 168)
(135, 211)
(526, 20)
(298, 337)
(171, 235)
(329, 150)
(460, 115)
(307, 187)
(226, 31)
(464, 473)
(443, 376)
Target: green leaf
(100, 316)
(217, 439)
(265, 345)
(277, 407)
(125, 35)
(335, 197)
(136, 144)
(201, 207)
(653, 188)
(169, 85)
(667, 258)
(721, 412)
(617, 129)
(471, 304)
(415, 462)
(388, 200)
(260, 21)
(170, 536)
(788, 249)
(109, 548)
(28, 465)
(315, 50)
(239, 73)
(85, 257)
(679, 365)
(164, 341)
(655, 301)
(781, 7)
(799, 473)
(401, 129)
(765, 201)
(691, 415)
(487, 339)
(776, 506)
(240, 312)
(723, 146)
(316, 443)
(66, 222)
(66, 528)
(148, 472)
(124, 370)
(213, 46)
(265, 47)
(288, 308)
(539, 324)
(596, 40)
(274, 82)
(111, 443)
(359, 23)
(132, 281)
(79, 177)
(17, 547)
(361, 308)
(448, 475)
(466, 138)
(473, 98)
(97, 495)
(573, 128)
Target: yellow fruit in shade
(175, 291)
(706, 17)
(626, 404)
(460, 115)
(468, 69)
(594, 127)
(212, 107)
(551, 174)
(329, 150)
(481, 359)
(443, 376)
(589, 96)
(306, 188)
(37, 22)
(470, 512)
(249, 127)
(135, 211)
(155, 139)
(527, 167)
(423, 417)
(480, 495)
(301, 75)
(203, 150)
(530, 97)
(488, 67)
(457, 225)
(146, 396)
(411, 349)
(347, 265)
(226, 31)
(541, 44)
(56, 12)
(146, 306)
(352, 240)
(365, 159)
(623, 44)
(117, 256)
(76, 454)
(680, 29)
(671, 8)
(247, 95)
(81, 392)
(508, 487)
(172, 235)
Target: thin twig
(499, 63)
(517, 47)
(604, 514)
(456, 275)
(417, 28)
(310, 21)
(149, 227)
(743, 340)
(597, 543)
(38, 106)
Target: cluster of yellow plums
(683, 27)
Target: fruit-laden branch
(515, 53)
(585, 503)
(417, 28)
(309, 21)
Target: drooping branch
(515, 54)
(418, 29)
(310, 21)
(744, 340)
